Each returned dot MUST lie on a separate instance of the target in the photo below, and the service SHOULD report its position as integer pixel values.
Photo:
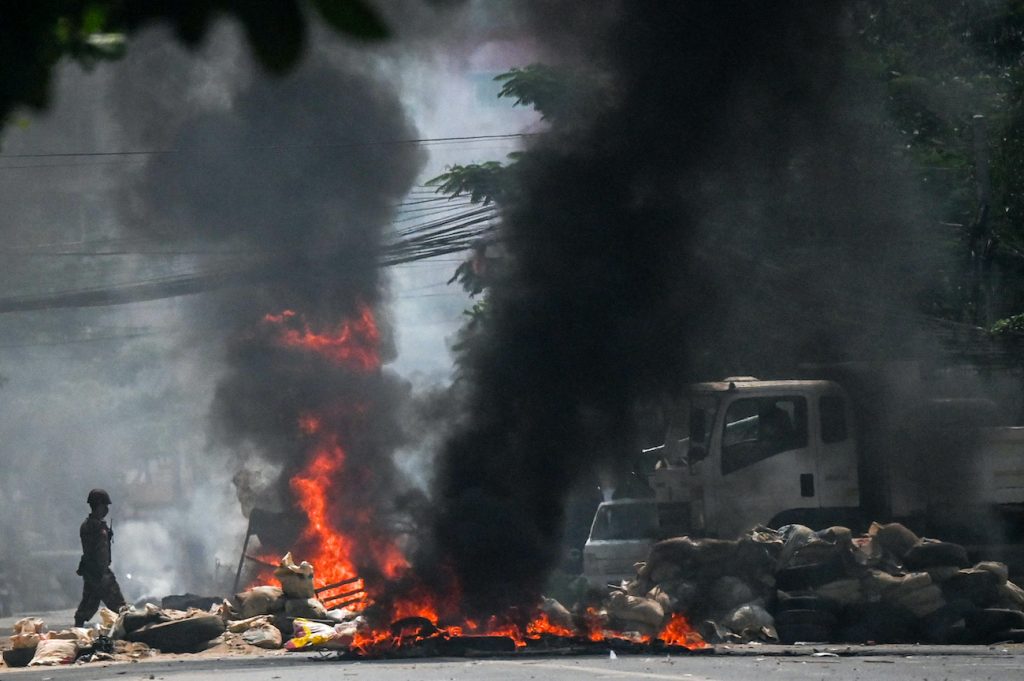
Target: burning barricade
(408, 623)
(796, 584)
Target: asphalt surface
(751, 662)
(740, 663)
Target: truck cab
(762, 452)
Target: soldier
(100, 583)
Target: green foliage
(482, 182)
(1010, 326)
(36, 35)
(475, 325)
(468, 276)
(942, 63)
(555, 93)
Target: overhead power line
(312, 145)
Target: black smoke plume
(298, 177)
(660, 242)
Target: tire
(1007, 636)
(787, 602)
(820, 618)
(995, 619)
(803, 577)
(792, 633)
(180, 636)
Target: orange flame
(353, 345)
(678, 632)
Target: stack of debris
(32, 645)
(267, 616)
(795, 584)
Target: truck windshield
(640, 521)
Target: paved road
(884, 664)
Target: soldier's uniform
(94, 567)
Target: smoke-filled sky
(125, 397)
(729, 198)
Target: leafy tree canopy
(36, 35)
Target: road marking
(607, 671)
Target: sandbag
(727, 593)
(942, 573)
(635, 609)
(921, 602)
(557, 613)
(876, 584)
(894, 538)
(752, 623)
(296, 580)
(260, 600)
(307, 608)
(54, 651)
(668, 604)
(264, 635)
(929, 553)
(27, 632)
(841, 591)
(999, 569)
(240, 626)
(682, 592)
(1010, 596)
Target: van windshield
(639, 521)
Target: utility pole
(983, 242)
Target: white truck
(791, 451)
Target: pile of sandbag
(293, 611)
(797, 584)
(891, 585)
(726, 585)
(31, 645)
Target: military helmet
(98, 496)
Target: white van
(622, 534)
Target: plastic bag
(307, 634)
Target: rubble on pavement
(797, 584)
